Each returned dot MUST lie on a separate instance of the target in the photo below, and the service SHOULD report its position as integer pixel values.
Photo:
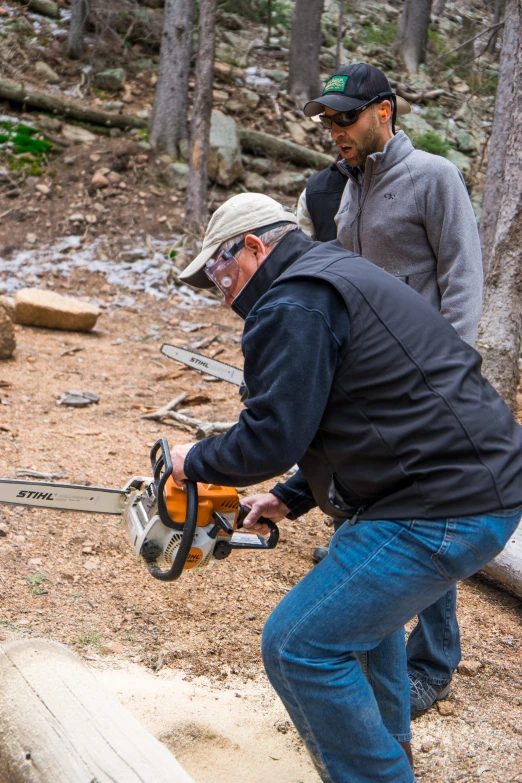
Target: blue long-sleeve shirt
(293, 341)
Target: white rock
(224, 159)
(77, 134)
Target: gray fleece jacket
(412, 216)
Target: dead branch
(493, 28)
(159, 414)
(19, 93)
(204, 429)
(419, 97)
(257, 141)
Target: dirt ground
(73, 578)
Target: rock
(231, 21)
(469, 668)
(113, 177)
(77, 134)
(112, 648)
(47, 72)
(43, 189)
(34, 307)
(255, 182)
(224, 159)
(460, 160)
(460, 86)
(7, 303)
(297, 133)
(414, 124)
(74, 399)
(466, 142)
(7, 335)
(278, 76)
(99, 181)
(114, 106)
(77, 217)
(446, 708)
(177, 174)
(235, 106)
(426, 747)
(113, 79)
(261, 165)
(219, 96)
(3, 530)
(249, 98)
(290, 183)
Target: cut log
(507, 567)
(57, 723)
(257, 141)
(21, 93)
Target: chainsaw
(180, 527)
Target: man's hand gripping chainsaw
(180, 527)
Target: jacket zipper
(360, 204)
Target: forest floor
(185, 657)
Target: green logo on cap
(335, 84)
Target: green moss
(431, 142)
(381, 35)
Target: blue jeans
(433, 647)
(377, 576)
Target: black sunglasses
(346, 118)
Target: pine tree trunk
(340, 30)
(75, 39)
(413, 33)
(168, 126)
(196, 212)
(492, 43)
(305, 46)
(501, 322)
(502, 127)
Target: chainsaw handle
(272, 539)
(189, 531)
(162, 470)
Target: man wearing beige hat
(408, 212)
(361, 382)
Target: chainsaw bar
(198, 361)
(65, 497)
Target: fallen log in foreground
(59, 725)
(257, 141)
(507, 567)
(21, 93)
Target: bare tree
(75, 39)
(499, 8)
(412, 38)
(168, 125)
(501, 322)
(196, 212)
(305, 46)
(340, 35)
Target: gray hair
(269, 238)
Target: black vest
(411, 428)
(324, 191)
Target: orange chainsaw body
(211, 498)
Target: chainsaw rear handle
(272, 539)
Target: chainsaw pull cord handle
(162, 467)
(272, 539)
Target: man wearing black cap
(408, 212)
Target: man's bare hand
(263, 505)
(178, 454)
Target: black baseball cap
(353, 86)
